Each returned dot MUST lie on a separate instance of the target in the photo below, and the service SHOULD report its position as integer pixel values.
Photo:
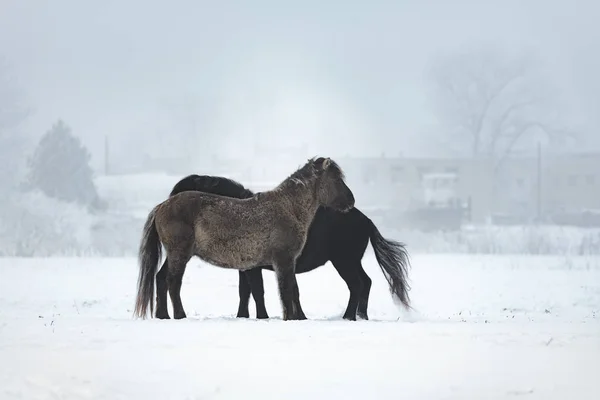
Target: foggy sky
(344, 78)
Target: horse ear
(326, 163)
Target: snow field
(485, 327)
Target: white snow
(486, 327)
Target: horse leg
(363, 302)
(349, 273)
(176, 270)
(161, 292)
(244, 292)
(257, 287)
(297, 307)
(288, 292)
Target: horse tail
(394, 262)
(148, 257)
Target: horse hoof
(262, 317)
(296, 318)
(350, 317)
(241, 315)
(162, 316)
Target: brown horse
(269, 228)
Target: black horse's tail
(394, 263)
(148, 257)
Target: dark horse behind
(341, 238)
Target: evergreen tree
(60, 167)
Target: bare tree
(489, 104)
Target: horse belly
(229, 253)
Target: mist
(251, 91)
(341, 79)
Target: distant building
(564, 188)
(566, 183)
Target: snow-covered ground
(486, 327)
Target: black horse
(341, 238)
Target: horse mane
(309, 171)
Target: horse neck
(301, 198)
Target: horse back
(212, 184)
